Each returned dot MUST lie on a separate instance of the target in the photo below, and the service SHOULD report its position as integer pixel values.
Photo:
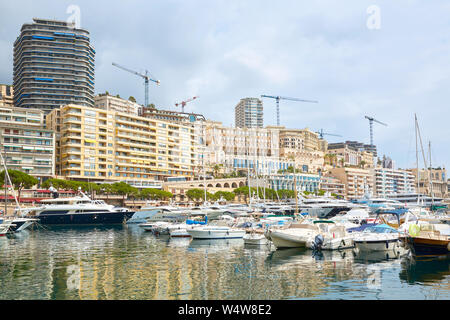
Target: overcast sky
(389, 61)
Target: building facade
(304, 181)
(358, 182)
(172, 116)
(332, 185)
(111, 103)
(6, 95)
(53, 66)
(249, 113)
(109, 146)
(349, 154)
(246, 149)
(303, 146)
(391, 182)
(438, 186)
(25, 143)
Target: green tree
(123, 189)
(196, 194)
(228, 196)
(20, 180)
(132, 99)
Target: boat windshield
(380, 229)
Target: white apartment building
(391, 181)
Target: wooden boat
(427, 240)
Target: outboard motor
(317, 243)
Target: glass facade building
(53, 66)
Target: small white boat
(179, 230)
(255, 239)
(215, 232)
(319, 235)
(296, 236)
(378, 238)
(159, 227)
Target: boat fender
(387, 244)
(228, 233)
(448, 246)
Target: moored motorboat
(215, 232)
(255, 239)
(378, 238)
(427, 239)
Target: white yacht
(213, 212)
(79, 210)
(324, 207)
(161, 213)
(215, 232)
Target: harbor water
(127, 263)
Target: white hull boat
(255, 239)
(378, 239)
(212, 232)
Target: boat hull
(216, 234)
(283, 240)
(423, 246)
(84, 218)
(377, 245)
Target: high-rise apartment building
(110, 146)
(249, 113)
(53, 66)
(25, 143)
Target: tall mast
(417, 159)
(431, 174)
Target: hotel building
(25, 143)
(109, 146)
(53, 66)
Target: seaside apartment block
(25, 143)
(53, 66)
(108, 146)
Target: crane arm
(384, 124)
(295, 99)
(134, 72)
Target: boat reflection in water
(426, 269)
(377, 256)
(216, 244)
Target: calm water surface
(125, 262)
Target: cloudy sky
(386, 59)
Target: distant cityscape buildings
(52, 125)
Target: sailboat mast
(431, 174)
(417, 159)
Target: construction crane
(146, 79)
(321, 134)
(371, 121)
(183, 103)
(278, 98)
